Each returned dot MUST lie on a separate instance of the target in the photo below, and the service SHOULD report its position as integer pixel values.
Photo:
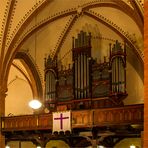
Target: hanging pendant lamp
(35, 104)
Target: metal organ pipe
(81, 65)
(117, 57)
(47, 86)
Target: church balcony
(127, 115)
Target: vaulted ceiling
(45, 27)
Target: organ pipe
(118, 73)
(81, 59)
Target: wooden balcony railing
(132, 114)
(27, 122)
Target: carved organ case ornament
(86, 84)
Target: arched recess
(35, 79)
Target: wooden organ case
(86, 84)
(51, 83)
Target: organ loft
(86, 95)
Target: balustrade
(132, 114)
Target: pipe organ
(86, 83)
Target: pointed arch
(35, 80)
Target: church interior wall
(19, 93)
(56, 37)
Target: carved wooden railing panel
(81, 118)
(20, 122)
(27, 122)
(123, 115)
(45, 121)
(132, 114)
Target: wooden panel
(20, 122)
(81, 118)
(45, 121)
(122, 115)
(29, 122)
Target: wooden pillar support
(2, 113)
(94, 143)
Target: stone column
(2, 113)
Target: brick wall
(146, 74)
